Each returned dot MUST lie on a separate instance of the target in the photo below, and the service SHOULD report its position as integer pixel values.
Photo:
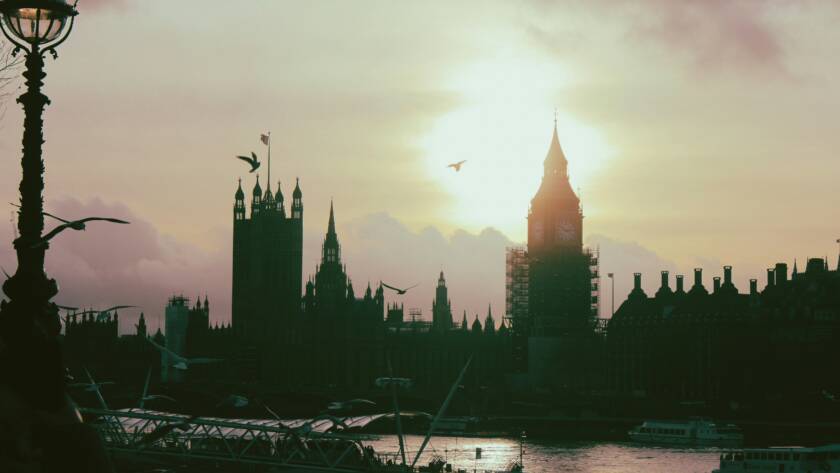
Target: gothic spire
(555, 161)
(239, 194)
(331, 223)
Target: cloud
(712, 33)
(379, 247)
(126, 264)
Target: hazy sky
(700, 133)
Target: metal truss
(257, 442)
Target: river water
(551, 457)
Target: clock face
(565, 230)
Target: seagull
(78, 225)
(93, 386)
(183, 363)
(457, 166)
(68, 309)
(340, 405)
(337, 422)
(151, 397)
(163, 430)
(399, 382)
(255, 164)
(103, 314)
(75, 225)
(397, 290)
(235, 401)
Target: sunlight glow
(502, 128)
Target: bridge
(137, 436)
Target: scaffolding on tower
(516, 304)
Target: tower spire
(331, 224)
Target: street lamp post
(29, 322)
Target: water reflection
(552, 457)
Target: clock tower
(559, 293)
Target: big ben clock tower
(559, 295)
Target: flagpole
(269, 161)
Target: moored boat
(786, 459)
(691, 432)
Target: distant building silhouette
(741, 349)
(441, 307)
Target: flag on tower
(264, 138)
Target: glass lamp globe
(36, 22)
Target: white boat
(691, 432)
(785, 459)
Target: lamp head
(41, 24)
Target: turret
(489, 323)
(297, 202)
(278, 197)
(239, 204)
(664, 288)
(476, 326)
(331, 250)
(141, 326)
(256, 199)
(680, 284)
(637, 292)
(697, 289)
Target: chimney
(727, 275)
(637, 281)
(753, 287)
(664, 279)
(771, 277)
(716, 280)
(781, 273)
(680, 287)
(698, 276)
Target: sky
(699, 134)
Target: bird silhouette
(94, 387)
(398, 290)
(351, 404)
(5, 273)
(457, 166)
(255, 164)
(183, 363)
(75, 225)
(103, 314)
(151, 397)
(398, 382)
(162, 431)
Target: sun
(502, 128)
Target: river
(552, 457)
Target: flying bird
(352, 403)
(181, 362)
(75, 225)
(255, 164)
(93, 386)
(68, 309)
(398, 382)
(162, 431)
(234, 400)
(151, 397)
(457, 166)
(398, 290)
(103, 314)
